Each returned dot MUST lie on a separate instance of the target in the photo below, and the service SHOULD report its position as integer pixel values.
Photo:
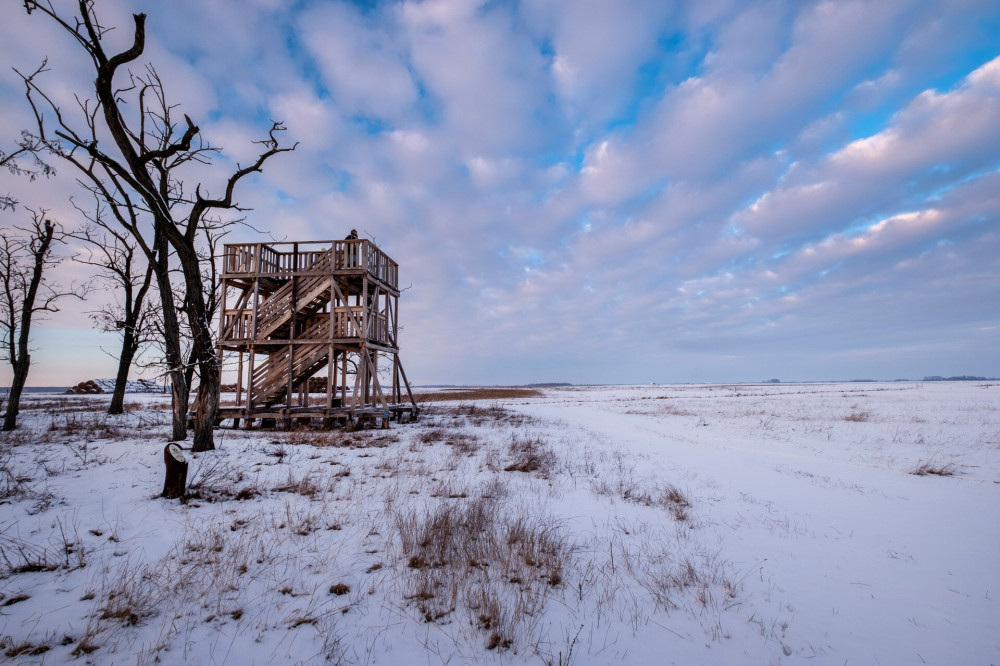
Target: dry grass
(26, 648)
(311, 484)
(217, 479)
(483, 557)
(933, 468)
(64, 551)
(531, 455)
(13, 486)
(89, 426)
(667, 496)
(486, 393)
(472, 414)
(64, 405)
(204, 572)
(322, 438)
(696, 581)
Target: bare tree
(153, 245)
(120, 264)
(145, 157)
(26, 263)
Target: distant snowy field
(777, 524)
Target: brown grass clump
(27, 648)
(307, 486)
(931, 468)
(669, 497)
(15, 599)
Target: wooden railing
(238, 325)
(378, 327)
(262, 259)
(377, 323)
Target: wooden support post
(291, 375)
(239, 379)
(250, 382)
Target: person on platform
(351, 251)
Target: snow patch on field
(664, 524)
(108, 386)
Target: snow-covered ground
(627, 525)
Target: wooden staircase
(300, 297)
(270, 379)
(308, 294)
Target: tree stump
(175, 481)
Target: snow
(808, 538)
(132, 386)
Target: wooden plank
(239, 379)
(408, 391)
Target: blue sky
(602, 192)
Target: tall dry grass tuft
(695, 581)
(217, 478)
(531, 454)
(491, 560)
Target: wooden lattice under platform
(296, 316)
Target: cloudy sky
(601, 191)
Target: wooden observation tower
(310, 330)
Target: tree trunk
(209, 373)
(171, 341)
(121, 379)
(175, 475)
(16, 387)
(179, 406)
(206, 408)
(20, 359)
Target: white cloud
(488, 78)
(950, 133)
(598, 49)
(774, 169)
(363, 59)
